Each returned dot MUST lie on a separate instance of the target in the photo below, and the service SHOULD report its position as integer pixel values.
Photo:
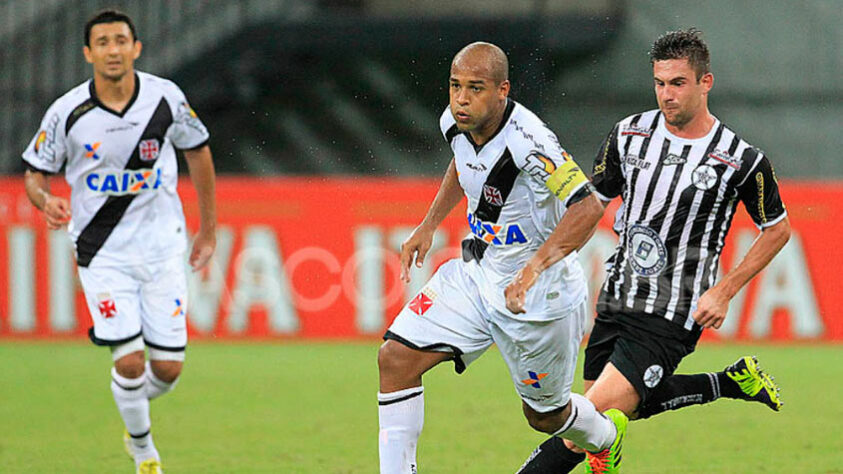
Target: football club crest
(420, 304)
(704, 177)
(148, 149)
(106, 306)
(492, 195)
(653, 375)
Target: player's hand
(203, 248)
(416, 246)
(711, 308)
(516, 291)
(56, 211)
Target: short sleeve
(187, 131)
(540, 155)
(760, 194)
(47, 151)
(607, 175)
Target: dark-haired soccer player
(116, 135)
(680, 173)
(518, 285)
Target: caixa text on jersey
(124, 182)
(496, 234)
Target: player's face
(113, 50)
(680, 96)
(474, 98)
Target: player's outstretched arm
(714, 303)
(200, 165)
(56, 209)
(571, 233)
(419, 242)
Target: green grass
(311, 408)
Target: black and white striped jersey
(122, 170)
(679, 198)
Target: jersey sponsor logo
(42, 137)
(566, 180)
(179, 311)
(106, 306)
(534, 379)
(492, 195)
(188, 116)
(91, 150)
(478, 167)
(673, 159)
(635, 161)
(726, 159)
(125, 182)
(653, 375)
(46, 147)
(540, 165)
(636, 131)
(496, 234)
(148, 149)
(704, 177)
(648, 254)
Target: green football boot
(756, 385)
(608, 461)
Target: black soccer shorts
(646, 350)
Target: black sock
(678, 391)
(552, 457)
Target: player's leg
(440, 323)
(112, 295)
(556, 454)
(163, 314)
(542, 358)
(743, 380)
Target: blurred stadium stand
(356, 86)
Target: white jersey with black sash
(679, 198)
(518, 184)
(122, 170)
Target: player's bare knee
(166, 370)
(549, 422)
(130, 365)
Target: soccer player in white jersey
(117, 135)
(519, 283)
(680, 173)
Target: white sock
(586, 427)
(154, 386)
(130, 397)
(401, 417)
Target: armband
(565, 180)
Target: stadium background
(324, 123)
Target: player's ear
(503, 89)
(86, 51)
(138, 47)
(707, 80)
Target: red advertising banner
(317, 258)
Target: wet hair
(108, 16)
(496, 58)
(683, 44)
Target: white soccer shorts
(452, 315)
(132, 300)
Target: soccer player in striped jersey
(116, 137)
(519, 284)
(680, 173)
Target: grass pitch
(311, 408)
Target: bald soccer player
(518, 285)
